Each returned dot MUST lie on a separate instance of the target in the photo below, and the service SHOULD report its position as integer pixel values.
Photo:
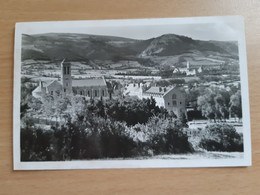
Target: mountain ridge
(84, 47)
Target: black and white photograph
(133, 93)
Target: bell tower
(66, 77)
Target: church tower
(188, 65)
(66, 80)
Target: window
(81, 92)
(103, 92)
(168, 103)
(88, 93)
(174, 103)
(67, 84)
(95, 93)
(64, 70)
(180, 102)
(68, 70)
(51, 92)
(65, 90)
(174, 96)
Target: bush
(222, 137)
(173, 142)
(35, 145)
(111, 129)
(161, 136)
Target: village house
(170, 98)
(133, 89)
(188, 71)
(89, 88)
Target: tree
(222, 107)
(235, 104)
(207, 105)
(112, 86)
(48, 105)
(214, 104)
(34, 103)
(78, 107)
(60, 106)
(221, 137)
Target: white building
(187, 70)
(171, 98)
(133, 89)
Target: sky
(214, 28)
(220, 32)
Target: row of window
(66, 70)
(174, 103)
(56, 92)
(89, 93)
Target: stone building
(171, 98)
(89, 88)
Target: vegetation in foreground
(115, 129)
(125, 128)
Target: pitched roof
(91, 82)
(54, 81)
(158, 90)
(37, 89)
(48, 82)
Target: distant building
(90, 88)
(188, 70)
(171, 98)
(134, 89)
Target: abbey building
(89, 88)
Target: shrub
(35, 145)
(161, 136)
(111, 129)
(221, 137)
(172, 142)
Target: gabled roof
(47, 83)
(37, 89)
(91, 82)
(159, 90)
(54, 81)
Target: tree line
(115, 128)
(104, 129)
(216, 103)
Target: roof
(37, 89)
(92, 82)
(158, 90)
(47, 83)
(132, 90)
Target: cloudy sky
(208, 28)
(221, 32)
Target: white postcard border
(29, 27)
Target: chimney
(188, 65)
(40, 84)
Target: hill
(88, 48)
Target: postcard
(132, 93)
